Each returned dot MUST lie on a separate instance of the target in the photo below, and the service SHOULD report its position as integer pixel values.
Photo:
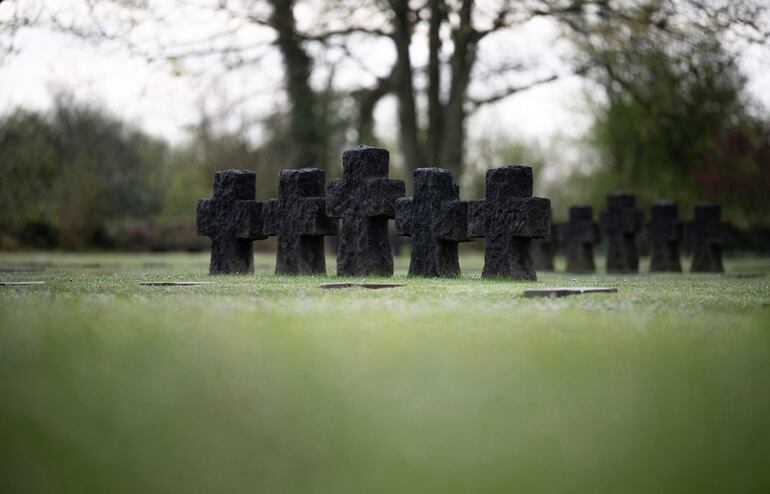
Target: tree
(671, 94)
(461, 72)
(69, 172)
(341, 32)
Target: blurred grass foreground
(269, 384)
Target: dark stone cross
(365, 199)
(233, 220)
(544, 249)
(580, 235)
(509, 218)
(298, 218)
(665, 234)
(707, 234)
(436, 220)
(621, 223)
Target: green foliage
(269, 384)
(671, 95)
(77, 177)
(73, 170)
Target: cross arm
(556, 232)
(584, 231)
(204, 218)
(453, 221)
(379, 196)
(638, 220)
(561, 232)
(536, 220)
(404, 216)
(313, 217)
(712, 231)
(719, 232)
(528, 217)
(337, 198)
(247, 221)
(476, 218)
(271, 216)
(604, 221)
(666, 230)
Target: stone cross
(298, 218)
(707, 233)
(233, 220)
(621, 223)
(509, 218)
(544, 249)
(436, 220)
(665, 233)
(580, 235)
(364, 198)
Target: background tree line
(671, 114)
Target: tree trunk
(453, 118)
(304, 123)
(367, 100)
(437, 15)
(407, 114)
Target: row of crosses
(622, 222)
(364, 199)
(357, 208)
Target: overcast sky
(152, 97)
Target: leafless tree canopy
(441, 59)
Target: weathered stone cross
(436, 220)
(509, 218)
(233, 220)
(621, 223)
(707, 234)
(544, 249)
(665, 231)
(364, 198)
(298, 218)
(581, 233)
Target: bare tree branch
(476, 103)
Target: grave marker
(364, 198)
(233, 220)
(665, 233)
(581, 234)
(544, 249)
(436, 220)
(621, 223)
(707, 232)
(298, 218)
(509, 218)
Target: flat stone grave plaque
(21, 269)
(21, 283)
(563, 292)
(371, 286)
(175, 283)
(742, 276)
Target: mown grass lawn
(269, 384)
